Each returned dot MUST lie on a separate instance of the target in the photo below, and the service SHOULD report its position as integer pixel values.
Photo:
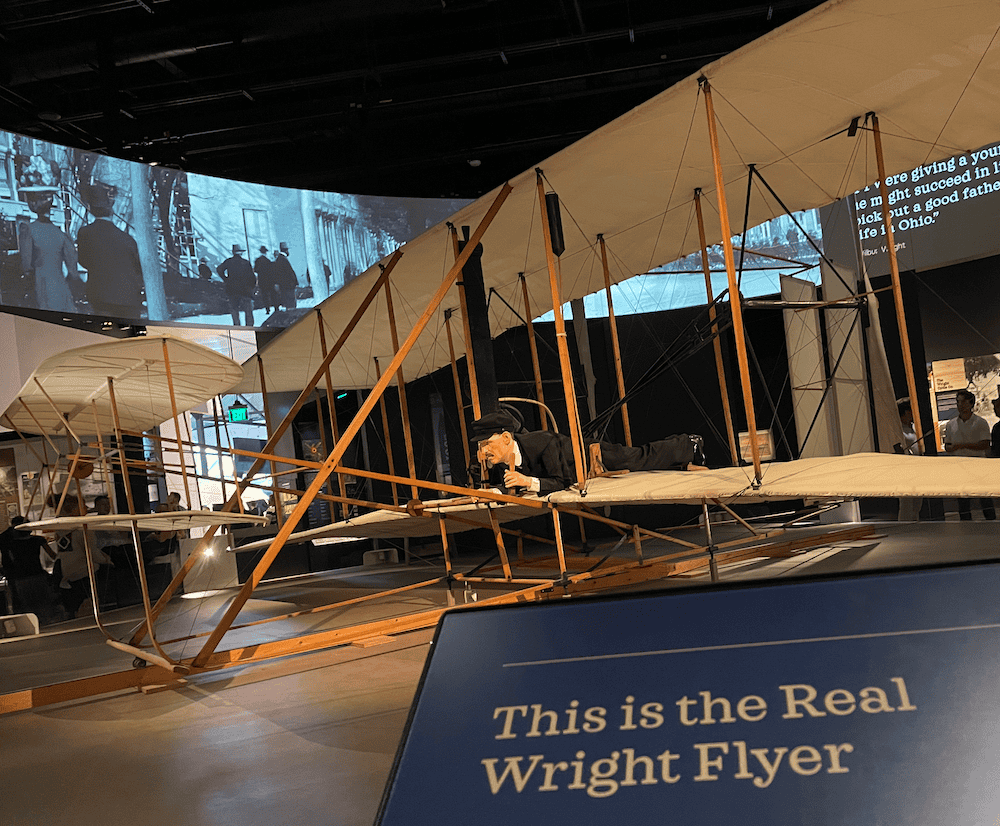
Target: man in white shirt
(968, 435)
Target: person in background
(45, 250)
(909, 506)
(968, 435)
(284, 278)
(169, 540)
(264, 267)
(995, 433)
(20, 555)
(204, 271)
(111, 257)
(240, 283)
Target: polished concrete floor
(301, 740)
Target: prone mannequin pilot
(542, 461)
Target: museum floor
(301, 740)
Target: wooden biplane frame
(566, 578)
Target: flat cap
(491, 423)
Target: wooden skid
(379, 632)
(81, 689)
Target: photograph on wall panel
(84, 233)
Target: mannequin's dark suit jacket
(549, 456)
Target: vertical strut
(897, 289)
(564, 362)
(533, 347)
(615, 347)
(734, 289)
(716, 341)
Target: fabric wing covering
(820, 479)
(929, 70)
(76, 382)
(170, 521)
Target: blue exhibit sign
(869, 699)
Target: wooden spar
(606, 520)
(720, 369)
(43, 464)
(458, 389)
(79, 489)
(325, 497)
(442, 524)
(272, 442)
(533, 347)
(318, 609)
(234, 451)
(62, 418)
(326, 448)
(69, 432)
(152, 659)
(136, 541)
(557, 532)
(637, 543)
(340, 636)
(24, 441)
(177, 425)
(49, 478)
(274, 438)
(70, 476)
(736, 516)
(236, 479)
(486, 495)
(41, 430)
(92, 576)
(470, 362)
(218, 448)
(615, 347)
(385, 434)
(734, 290)
(331, 405)
(35, 488)
(352, 430)
(194, 465)
(564, 363)
(501, 547)
(897, 289)
(279, 505)
(105, 472)
(404, 410)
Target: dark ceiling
(389, 97)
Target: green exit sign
(238, 413)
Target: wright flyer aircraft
(844, 97)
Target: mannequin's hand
(513, 479)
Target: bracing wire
(673, 185)
(965, 88)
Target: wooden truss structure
(471, 508)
